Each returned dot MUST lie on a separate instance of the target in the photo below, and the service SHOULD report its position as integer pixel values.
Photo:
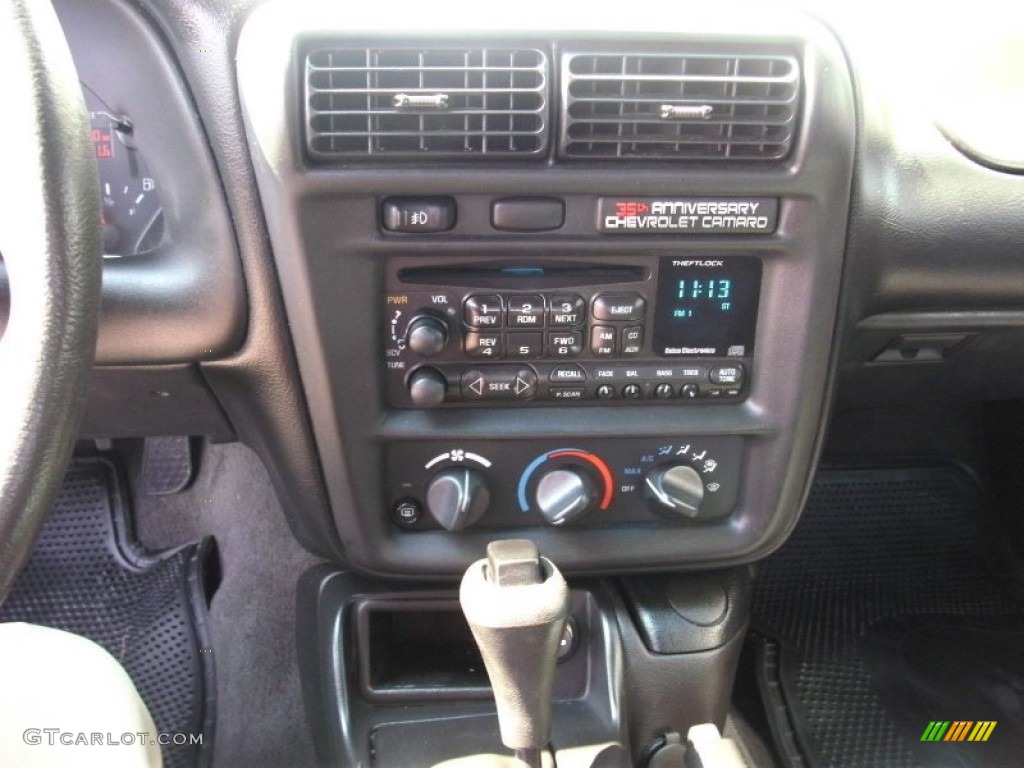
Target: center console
(576, 284)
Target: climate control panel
(583, 483)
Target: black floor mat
(149, 611)
(881, 615)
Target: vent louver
(699, 106)
(437, 102)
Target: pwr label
(697, 215)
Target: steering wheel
(51, 245)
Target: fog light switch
(418, 214)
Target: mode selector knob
(676, 487)
(457, 497)
(426, 335)
(563, 494)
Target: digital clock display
(707, 307)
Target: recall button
(567, 374)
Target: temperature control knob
(457, 497)
(563, 494)
(426, 335)
(427, 387)
(676, 487)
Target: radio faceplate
(534, 331)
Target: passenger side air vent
(702, 106)
(436, 102)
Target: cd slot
(523, 275)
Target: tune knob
(427, 387)
(563, 494)
(676, 487)
(426, 335)
(457, 497)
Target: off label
(697, 215)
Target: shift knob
(516, 603)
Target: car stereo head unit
(532, 331)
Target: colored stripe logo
(959, 730)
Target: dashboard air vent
(700, 106)
(436, 102)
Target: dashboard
(599, 281)
(575, 284)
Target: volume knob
(457, 498)
(676, 487)
(426, 335)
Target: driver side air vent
(726, 105)
(426, 102)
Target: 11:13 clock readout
(712, 289)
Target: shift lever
(516, 603)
